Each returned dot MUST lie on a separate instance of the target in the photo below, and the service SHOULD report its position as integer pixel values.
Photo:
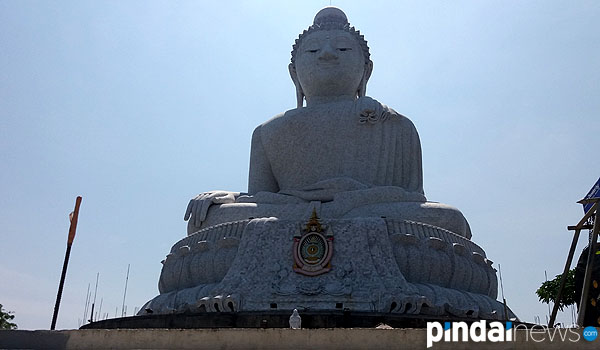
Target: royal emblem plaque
(313, 248)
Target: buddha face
(329, 63)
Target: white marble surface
(378, 265)
(355, 162)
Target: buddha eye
(312, 51)
(344, 49)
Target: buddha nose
(328, 54)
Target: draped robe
(315, 152)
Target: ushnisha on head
(330, 59)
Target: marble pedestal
(378, 265)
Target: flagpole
(74, 215)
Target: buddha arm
(412, 160)
(260, 177)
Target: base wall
(341, 338)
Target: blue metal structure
(593, 193)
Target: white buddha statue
(353, 163)
(344, 153)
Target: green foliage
(548, 290)
(5, 318)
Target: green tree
(548, 290)
(5, 318)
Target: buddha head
(330, 59)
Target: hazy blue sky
(139, 105)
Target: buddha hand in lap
(345, 152)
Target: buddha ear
(299, 92)
(362, 87)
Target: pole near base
(563, 279)
(588, 269)
(582, 225)
(70, 239)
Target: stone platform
(274, 319)
(270, 338)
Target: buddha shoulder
(363, 111)
(280, 121)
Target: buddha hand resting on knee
(198, 207)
